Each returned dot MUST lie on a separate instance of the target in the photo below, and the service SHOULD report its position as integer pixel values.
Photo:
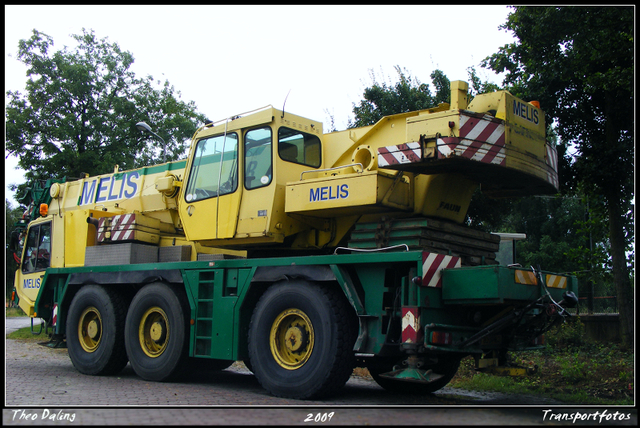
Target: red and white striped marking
(54, 319)
(411, 330)
(122, 227)
(103, 228)
(482, 139)
(551, 157)
(399, 154)
(432, 265)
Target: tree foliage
(407, 94)
(477, 85)
(12, 215)
(80, 108)
(578, 62)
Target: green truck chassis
(300, 323)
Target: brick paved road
(41, 383)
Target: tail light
(441, 338)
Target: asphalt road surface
(43, 388)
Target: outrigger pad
(412, 375)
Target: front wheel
(156, 332)
(301, 337)
(95, 331)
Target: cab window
(299, 147)
(214, 170)
(257, 162)
(37, 253)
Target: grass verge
(14, 312)
(571, 369)
(25, 334)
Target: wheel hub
(291, 339)
(153, 332)
(296, 338)
(90, 329)
(93, 329)
(157, 332)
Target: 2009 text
(319, 417)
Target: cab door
(212, 194)
(36, 258)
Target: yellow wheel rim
(90, 329)
(291, 339)
(153, 332)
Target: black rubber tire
(166, 361)
(330, 360)
(448, 368)
(103, 311)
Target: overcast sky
(232, 59)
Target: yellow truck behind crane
(301, 253)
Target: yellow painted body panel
(121, 192)
(430, 193)
(78, 235)
(525, 121)
(525, 130)
(355, 193)
(445, 196)
(27, 290)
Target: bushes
(567, 335)
(572, 369)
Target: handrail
(372, 250)
(333, 168)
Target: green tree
(578, 62)
(554, 227)
(407, 94)
(477, 86)
(12, 215)
(81, 107)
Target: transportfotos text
(548, 415)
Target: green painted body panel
(493, 284)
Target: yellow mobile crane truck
(301, 253)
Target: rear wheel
(446, 368)
(300, 340)
(95, 331)
(156, 332)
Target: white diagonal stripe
(477, 130)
